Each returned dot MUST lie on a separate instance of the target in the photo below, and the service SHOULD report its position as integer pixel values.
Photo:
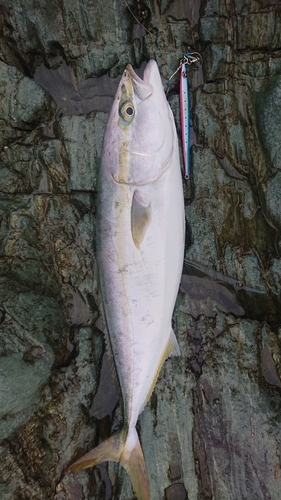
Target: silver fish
(140, 245)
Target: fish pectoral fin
(122, 448)
(173, 348)
(140, 218)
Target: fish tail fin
(126, 450)
(133, 462)
(108, 450)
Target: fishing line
(149, 32)
(177, 51)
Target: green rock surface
(212, 428)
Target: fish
(140, 249)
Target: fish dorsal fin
(96, 286)
(140, 218)
(172, 349)
(109, 350)
(98, 298)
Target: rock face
(212, 428)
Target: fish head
(140, 135)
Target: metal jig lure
(188, 59)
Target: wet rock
(176, 492)
(73, 96)
(212, 426)
(33, 354)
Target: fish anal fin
(140, 218)
(172, 349)
(124, 449)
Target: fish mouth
(141, 87)
(146, 72)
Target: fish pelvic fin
(126, 450)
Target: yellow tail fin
(125, 449)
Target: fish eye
(127, 111)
